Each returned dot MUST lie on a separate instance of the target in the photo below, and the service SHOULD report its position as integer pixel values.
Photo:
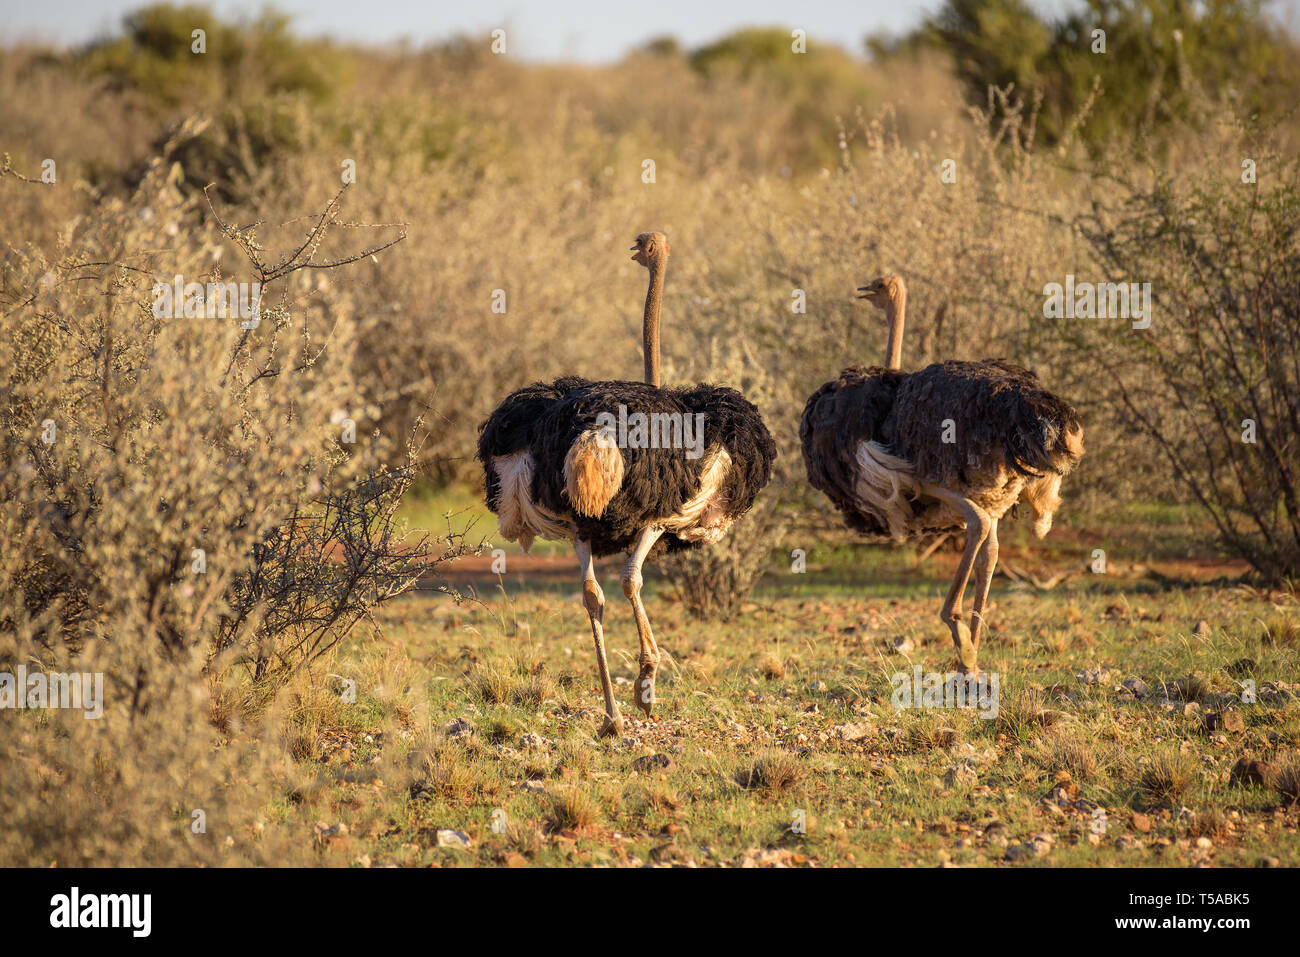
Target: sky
(589, 31)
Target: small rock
(1035, 847)
(1204, 843)
(1202, 629)
(449, 838)
(963, 774)
(1229, 721)
(459, 728)
(1092, 676)
(531, 741)
(853, 731)
(666, 853)
(651, 763)
(1242, 667)
(1268, 862)
(1183, 689)
(1248, 771)
(1142, 822)
(1137, 686)
(903, 645)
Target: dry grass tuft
(771, 666)
(1067, 749)
(572, 809)
(1167, 778)
(773, 770)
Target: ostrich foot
(967, 654)
(644, 689)
(611, 727)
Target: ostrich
(952, 446)
(557, 467)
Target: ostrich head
(884, 292)
(889, 294)
(649, 247)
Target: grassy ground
(775, 740)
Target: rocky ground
(1137, 722)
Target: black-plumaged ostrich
(557, 468)
(952, 446)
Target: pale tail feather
(882, 481)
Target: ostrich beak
(864, 292)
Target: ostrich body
(953, 446)
(555, 468)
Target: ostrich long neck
(894, 348)
(650, 328)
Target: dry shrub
(181, 516)
(1210, 384)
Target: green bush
(1159, 57)
(155, 55)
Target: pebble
(1226, 721)
(962, 774)
(449, 838)
(853, 731)
(1137, 686)
(459, 728)
(650, 763)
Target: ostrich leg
(978, 524)
(985, 562)
(594, 601)
(649, 657)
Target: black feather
(547, 418)
(1000, 414)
